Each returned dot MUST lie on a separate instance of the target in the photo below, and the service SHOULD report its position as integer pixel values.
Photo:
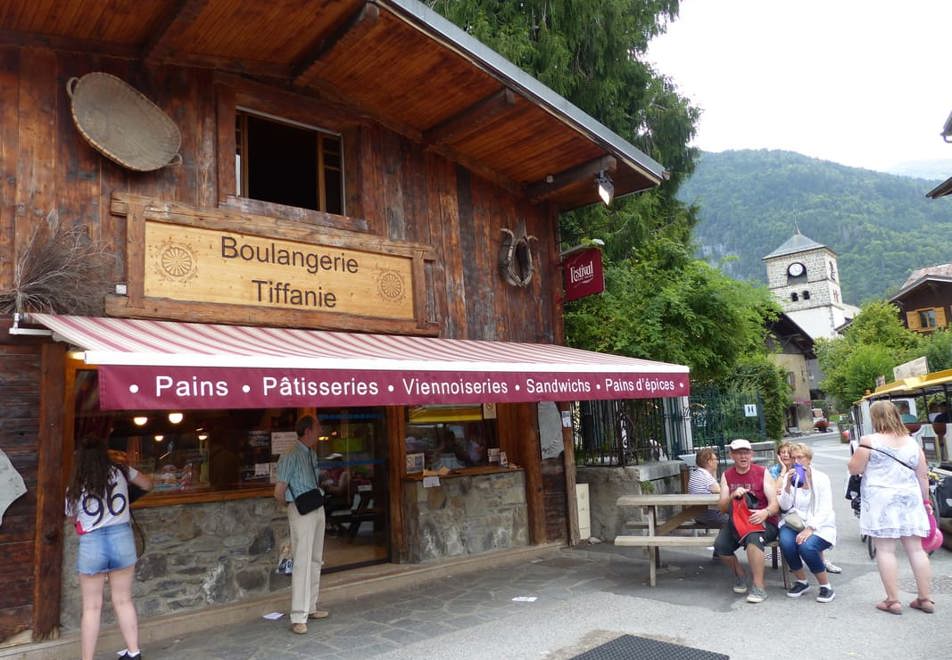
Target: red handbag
(740, 517)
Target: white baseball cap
(740, 443)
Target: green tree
(874, 343)
(660, 302)
(664, 305)
(757, 372)
(937, 348)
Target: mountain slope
(880, 225)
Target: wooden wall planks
(9, 148)
(19, 422)
(401, 191)
(396, 187)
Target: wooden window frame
(927, 314)
(233, 95)
(914, 319)
(321, 136)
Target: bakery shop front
(306, 246)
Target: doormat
(629, 646)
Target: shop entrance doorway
(352, 455)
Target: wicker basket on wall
(122, 124)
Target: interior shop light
(159, 438)
(141, 420)
(176, 417)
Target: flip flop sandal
(891, 606)
(924, 604)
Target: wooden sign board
(212, 266)
(222, 265)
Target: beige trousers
(307, 546)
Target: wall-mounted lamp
(606, 188)
(140, 421)
(175, 418)
(159, 438)
(947, 129)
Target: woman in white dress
(894, 495)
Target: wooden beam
(48, 542)
(68, 44)
(194, 312)
(177, 17)
(478, 168)
(352, 28)
(236, 220)
(396, 469)
(275, 73)
(472, 119)
(542, 190)
(571, 499)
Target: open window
(288, 163)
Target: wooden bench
(655, 542)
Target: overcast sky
(866, 83)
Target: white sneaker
(832, 568)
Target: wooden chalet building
(311, 217)
(925, 299)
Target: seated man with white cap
(755, 529)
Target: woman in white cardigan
(813, 502)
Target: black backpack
(943, 498)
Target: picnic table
(661, 535)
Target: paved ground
(588, 595)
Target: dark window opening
(794, 297)
(287, 164)
(806, 295)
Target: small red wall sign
(582, 273)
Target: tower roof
(796, 243)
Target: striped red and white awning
(146, 364)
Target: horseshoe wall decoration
(515, 256)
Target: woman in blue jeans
(812, 500)
(97, 501)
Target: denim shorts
(106, 549)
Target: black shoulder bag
(311, 500)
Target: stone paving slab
(590, 594)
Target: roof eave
(440, 29)
(941, 190)
(919, 282)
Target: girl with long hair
(894, 495)
(97, 500)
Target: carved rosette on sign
(391, 286)
(175, 261)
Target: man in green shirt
(297, 474)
